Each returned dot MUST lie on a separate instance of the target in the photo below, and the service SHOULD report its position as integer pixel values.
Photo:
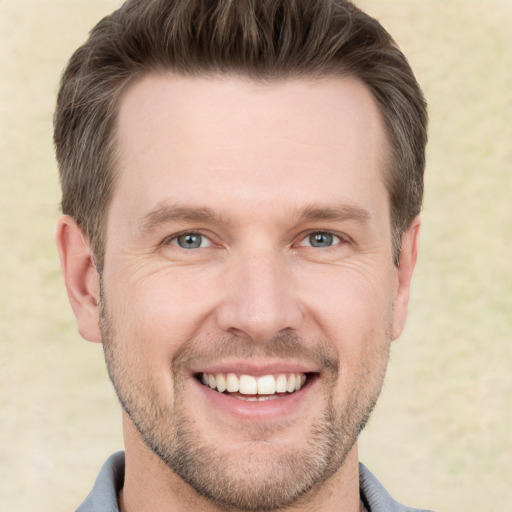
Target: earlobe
(405, 269)
(80, 275)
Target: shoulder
(110, 479)
(375, 497)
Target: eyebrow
(166, 213)
(338, 214)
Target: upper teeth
(249, 385)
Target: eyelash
(173, 240)
(336, 239)
(331, 237)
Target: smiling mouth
(255, 389)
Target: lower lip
(264, 410)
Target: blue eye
(321, 239)
(191, 241)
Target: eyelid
(172, 239)
(341, 239)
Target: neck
(151, 485)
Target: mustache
(282, 346)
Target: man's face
(249, 246)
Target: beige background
(442, 434)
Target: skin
(255, 169)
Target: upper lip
(256, 368)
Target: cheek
(352, 305)
(155, 314)
(354, 312)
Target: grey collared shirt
(103, 497)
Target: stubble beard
(252, 481)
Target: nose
(259, 300)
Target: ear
(80, 275)
(405, 269)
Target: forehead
(295, 139)
(192, 104)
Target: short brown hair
(261, 39)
